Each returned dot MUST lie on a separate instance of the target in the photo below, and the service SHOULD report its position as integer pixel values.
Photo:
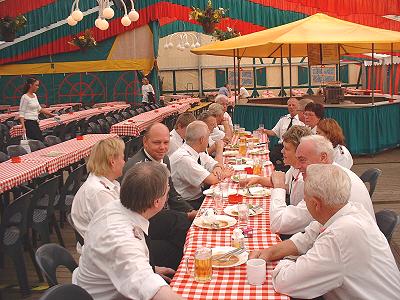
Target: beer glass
(202, 271)
(257, 166)
(242, 148)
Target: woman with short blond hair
(330, 129)
(105, 165)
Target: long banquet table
(229, 283)
(69, 117)
(135, 125)
(36, 163)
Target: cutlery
(228, 257)
(229, 253)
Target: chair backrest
(3, 157)
(72, 184)
(118, 117)
(66, 292)
(93, 128)
(387, 221)
(105, 127)
(50, 256)
(111, 120)
(371, 176)
(15, 150)
(14, 222)
(36, 145)
(125, 115)
(78, 236)
(51, 140)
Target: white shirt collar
(176, 135)
(191, 151)
(341, 212)
(161, 161)
(109, 185)
(137, 220)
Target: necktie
(199, 161)
(291, 123)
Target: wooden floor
(386, 196)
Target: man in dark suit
(173, 222)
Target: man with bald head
(172, 222)
(284, 123)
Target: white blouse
(342, 156)
(29, 108)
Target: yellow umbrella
(316, 29)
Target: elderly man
(290, 219)
(214, 149)
(225, 90)
(177, 135)
(192, 167)
(115, 259)
(223, 100)
(226, 134)
(284, 123)
(349, 259)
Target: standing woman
(29, 109)
(148, 95)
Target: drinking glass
(218, 201)
(236, 128)
(257, 166)
(224, 187)
(243, 215)
(242, 148)
(250, 144)
(242, 179)
(202, 271)
(256, 271)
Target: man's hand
(228, 172)
(264, 181)
(165, 273)
(192, 214)
(278, 179)
(218, 172)
(263, 254)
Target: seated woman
(330, 129)
(105, 165)
(313, 113)
(293, 178)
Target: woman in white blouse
(330, 129)
(147, 92)
(29, 109)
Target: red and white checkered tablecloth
(69, 117)
(184, 101)
(67, 104)
(228, 283)
(6, 116)
(36, 163)
(135, 125)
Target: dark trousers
(197, 203)
(167, 231)
(33, 131)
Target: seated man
(225, 90)
(290, 219)
(115, 259)
(215, 149)
(177, 135)
(243, 93)
(349, 259)
(226, 134)
(192, 168)
(223, 101)
(284, 124)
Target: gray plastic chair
(49, 257)
(387, 221)
(36, 145)
(66, 292)
(51, 140)
(15, 150)
(371, 176)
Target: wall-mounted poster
(322, 74)
(246, 78)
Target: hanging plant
(84, 41)
(225, 35)
(10, 25)
(209, 17)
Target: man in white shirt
(215, 149)
(147, 89)
(115, 259)
(349, 258)
(243, 93)
(177, 135)
(290, 219)
(192, 167)
(223, 100)
(284, 123)
(223, 131)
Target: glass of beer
(242, 148)
(202, 271)
(257, 166)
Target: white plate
(232, 210)
(258, 152)
(239, 167)
(228, 222)
(230, 153)
(210, 192)
(235, 178)
(256, 192)
(243, 257)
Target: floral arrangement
(84, 41)
(208, 17)
(10, 25)
(225, 35)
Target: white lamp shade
(97, 22)
(187, 45)
(133, 15)
(125, 21)
(103, 24)
(108, 13)
(197, 44)
(77, 15)
(71, 21)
